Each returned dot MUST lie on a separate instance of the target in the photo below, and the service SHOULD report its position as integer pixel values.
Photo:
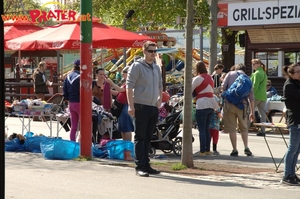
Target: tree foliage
(20, 7)
(149, 13)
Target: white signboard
(264, 13)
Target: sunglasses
(268, 85)
(151, 51)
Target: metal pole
(124, 49)
(213, 35)
(201, 42)
(86, 80)
(2, 108)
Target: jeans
(75, 114)
(203, 118)
(293, 150)
(145, 122)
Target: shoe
(202, 153)
(216, 153)
(208, 153)
(261, 134)
(248, 152)
(297, 179)
(234, 153)
(142, 173)
(290, 180)
(152, 171)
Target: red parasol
(67, 36)
(15, 29)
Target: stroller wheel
(166, 150)
(152, 152)
(177, 146)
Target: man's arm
(131, 110)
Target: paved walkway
(36, 177)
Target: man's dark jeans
(145, 122)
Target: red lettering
(88, 17)
(51, 15)
(64, 15)
(72, 15)
(34, 15)
(43, 17)
(5, 17)
(58, 13)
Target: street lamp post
(201, 42)
(127, 16)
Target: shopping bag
(116, 148)
(59, 149)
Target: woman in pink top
(125, 123)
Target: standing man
(144, 95)
(234, 116)
(72, 94)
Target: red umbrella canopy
(67, 36)
(15, 29)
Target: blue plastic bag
(99, 152)
(32, 144)
(58, 149)
(116, 148)
(14, 146)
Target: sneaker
(202, 154)
(152, 171)
(248, 152)
(297, 179)
(142, 173)
(290, 180)
(234, 153)
(208, 152)
(216, 153)
(261, 134)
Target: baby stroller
(165, 136)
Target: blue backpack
(238, 91)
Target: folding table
(278, 126)
(23, 116)
(63, 118)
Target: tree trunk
(228, 54)
(187, 148)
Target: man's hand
(131, 111)
(251, 117)
(158, 103)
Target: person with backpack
(259, 80)
(238, 95)
(202, 87)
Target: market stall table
(23, 116)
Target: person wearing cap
(125, 123)
(71, 92)
(144, 94)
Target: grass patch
(83, 158)
(159, 163)
(178, 166)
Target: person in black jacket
(291, 94)
(40, 82)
